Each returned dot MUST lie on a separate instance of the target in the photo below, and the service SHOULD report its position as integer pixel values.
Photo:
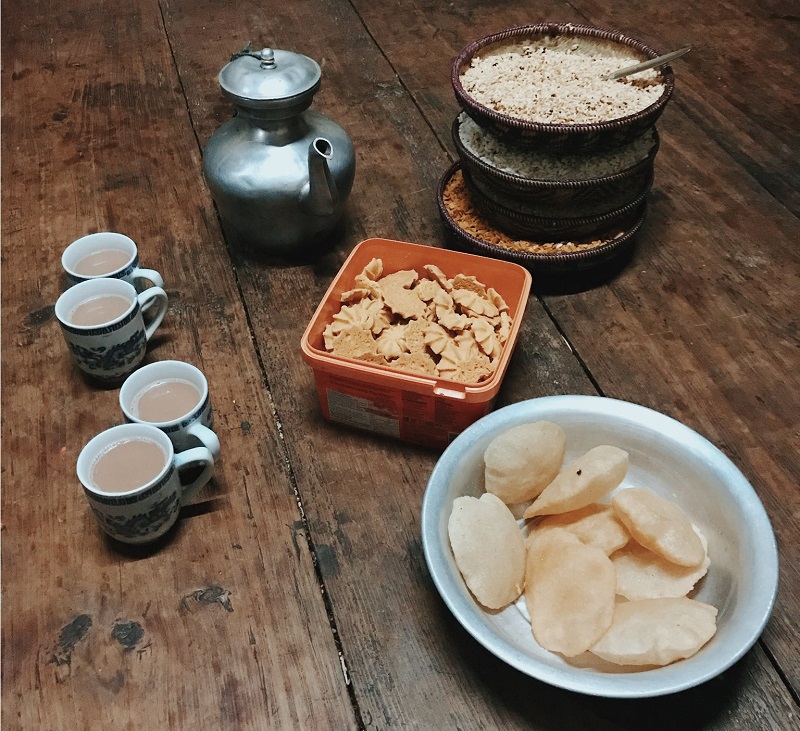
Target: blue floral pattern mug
(147, 511)
(107, 254)
(188, 429)
(110, 349)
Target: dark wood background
(294, 592)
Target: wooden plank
(719, 349)
(736, 84)
(351, 483)
(718, 346)
(361, 493)
(223, 624)
(405, 653)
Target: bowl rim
(498, 119)
(665, 680)
(585, 257)
(512, 181)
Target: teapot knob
(267, 56)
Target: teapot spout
(319, 196)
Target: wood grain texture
(737, 85)
(350, 488)
(225, 624)
(702, 324)
(222, 624)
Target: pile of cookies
(421, 322)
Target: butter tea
(166, 400)
(128, 464)
(99, 310)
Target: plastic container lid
(271, 79)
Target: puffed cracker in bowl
(708, 617)
(413, 341)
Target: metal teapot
(279, 172)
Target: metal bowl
(561, 137)
(669, 458)
(557, 198)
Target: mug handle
(194, 457)
(149, 274)
(146, 302)
(206, 436)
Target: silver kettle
(279, 172)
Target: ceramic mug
(136, 498)
(102, 324)
(173, 396)
(107, 254)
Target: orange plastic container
(408, 406)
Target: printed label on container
(364, 413)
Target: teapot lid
(271, 79)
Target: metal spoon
(652, 63)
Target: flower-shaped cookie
(450, 328)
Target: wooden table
(294, 591)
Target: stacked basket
(554, 196)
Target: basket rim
(556, 129)
(563, 222)
(529, 257)
(511, 180)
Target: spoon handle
(652, 63)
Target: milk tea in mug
(128, 464)
(102, 323)
(172, 395)
(101, 263)
(135, 482)
(166, 400)
(99, 310)
(107, 254)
